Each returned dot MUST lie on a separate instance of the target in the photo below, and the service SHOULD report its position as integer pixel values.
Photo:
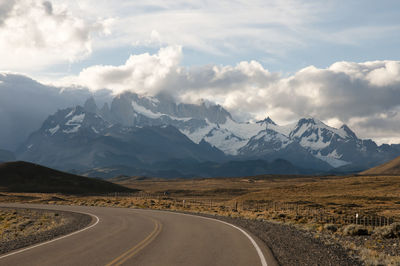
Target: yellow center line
(134, 250)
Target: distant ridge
(389, 168)
(28, 177)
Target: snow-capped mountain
(337, 147)
(74, 120)
(212, 123)
(197, 121)
(75, 138)
(138, 130)
(322, 140)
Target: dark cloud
(5, 9)
(48, 7)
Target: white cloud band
(356, 93)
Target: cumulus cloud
(144, 73)
(359, 94)
(35, 34)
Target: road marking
(55, 239)
(259, 252)
(258, 249)
(134, 250)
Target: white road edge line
(55, 239)
(258, 249)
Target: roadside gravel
(32, 226)
(292, 246)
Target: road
(121, 236)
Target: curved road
(120, 236)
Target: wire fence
(283, 210)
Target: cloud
(35, 34)
(359, 94)
(5, 10)
(215, 27)
(144, 73)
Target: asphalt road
(120, 236)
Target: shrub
(391, 231)
(355, 230)
(331, 227)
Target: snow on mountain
(224, 140)
(229, 136)
(73, 120)
(213, 124)
(320, 139)
(266, 141)
(333, 158)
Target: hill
(389, 168)
(27, 177)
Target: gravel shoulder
(293, 246)
(24, 227)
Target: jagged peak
(309, 120)
(348, 131)
(90, 105)
(267, 121)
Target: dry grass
(15, 223)
(378, 195)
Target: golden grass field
(378, 195)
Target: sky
(337, 61)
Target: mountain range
(139, 135)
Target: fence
(298, 211)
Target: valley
(180, 133)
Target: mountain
(28, 177)
(197, 121)
(138, 135)
(308, 143)
(26, 103)
(75, 138)
(340, 148)
(274, 145)
(6, 156)
(389, 168)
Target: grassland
(373, 195)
